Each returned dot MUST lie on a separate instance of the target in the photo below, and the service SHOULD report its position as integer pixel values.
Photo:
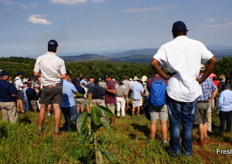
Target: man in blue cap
(8, 94)
(52, 70)
(183, 57)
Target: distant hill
(85, 57)
(139, 55)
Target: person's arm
(213, 95)
(63, 76)
(155, 64)
(113, 91)
(37, 74)
(211, 65)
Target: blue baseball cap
(179, 26)
(3, 73)
(19, 73)
(52, 43)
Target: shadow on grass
(25, 120)
(141, 128)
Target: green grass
(128, 142)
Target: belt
(50, 86)
(202, 101)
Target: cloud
(98, 1)
(24, 6)
(36, 19)
(68, 2)
(219, 26)
(210, 20)
(7, 2)
(146, 9)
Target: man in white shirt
(19, 86)
(52, 69)
(183, 57)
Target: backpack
(157, 93)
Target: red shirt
(110, 97)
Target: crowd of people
(191, 92)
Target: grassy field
(128, 142)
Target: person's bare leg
(153, 129)
(164, 130)
(138, 112)
(133, 111)
(41, 116)
(57, 114)
(49, 108)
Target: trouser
(181, 113)
(225, 117)
(69, 112)
(120, 106)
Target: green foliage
(224, 66)
(87, 126)
(127, 141)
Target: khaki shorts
(137, 103)
(52, 95)
(111, 107)
(98, 102)
(9, 111)
(158, 114)
(201, 112)
(81, 103)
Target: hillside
(138, 56)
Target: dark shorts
(21, 95)
(201, 112)
(52, 95)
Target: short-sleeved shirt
(51, 67)
(68, 90)
(18, 83)
(207, 88)
(183, 56)
(137, 88)
(97, 92)
(110, 97)
(6, 91)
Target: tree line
(96, 69)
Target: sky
(85, 26)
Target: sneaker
(49, 114)
(165, 142)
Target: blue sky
(108, 25)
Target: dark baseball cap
(52, 43)
(179, 26)
(20, 73)
(3, 73)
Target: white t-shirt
(51, 67)
(18, 83)
(183, 56)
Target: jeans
(225, 116)
(181, 113)
(26, 105)
(69, 112)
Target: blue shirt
(6, 91)
(225, 101)
(68, 90)
(207, 88)
(137, 88)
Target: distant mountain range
(139, 55)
